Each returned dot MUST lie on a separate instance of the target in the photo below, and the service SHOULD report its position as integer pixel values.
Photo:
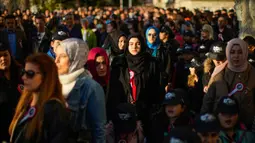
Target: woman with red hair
(98, 65)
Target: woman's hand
(205, 89)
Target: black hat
(3, 47)
(196, 62)
(217, 51)
(206, 123)
(187, 49)
(125, 118)
(59, 35)
(251, 58)
(250, 40)
(189, 34)
(183, 135)
(174, 97)
(227, 105)
(187, 23)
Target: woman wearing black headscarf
(135, 79)
(119, 46)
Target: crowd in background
(108, 75)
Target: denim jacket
(87, 104)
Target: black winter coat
(54, 126)
(120, 90)
(164, 60)
(9, 97)
(227, 34)
(161, 125)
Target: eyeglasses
(153, 35)
(29, 73)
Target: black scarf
(139, 64)
(115, 50)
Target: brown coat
(223, 83)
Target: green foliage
(49, 4)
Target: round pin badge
(30, 114)
(239, 86)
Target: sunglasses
(29, 73)
(153, 35)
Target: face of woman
(152, 35)
(228, 121)
(109, 28)
(32, 77)
(5, 60)
(134, 46)
(101, 67)
(62, 61)
(236, 56)
(205, 34)
(122, 42)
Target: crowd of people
(137, 75)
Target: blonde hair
(209, 29)
(208, 65)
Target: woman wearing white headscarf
(235, 71)
(84, 96)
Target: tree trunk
(24, 4)
(78, 3)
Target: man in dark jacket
(16, 38)
(43, 35)
(70, 27)
(113, 33)
(222, 32)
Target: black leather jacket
(164, 59)
(54, 128)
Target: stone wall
(201, 4)
(205, 4)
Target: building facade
(191, 4)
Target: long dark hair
(14, 70)
(47, 91)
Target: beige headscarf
(231, 43)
